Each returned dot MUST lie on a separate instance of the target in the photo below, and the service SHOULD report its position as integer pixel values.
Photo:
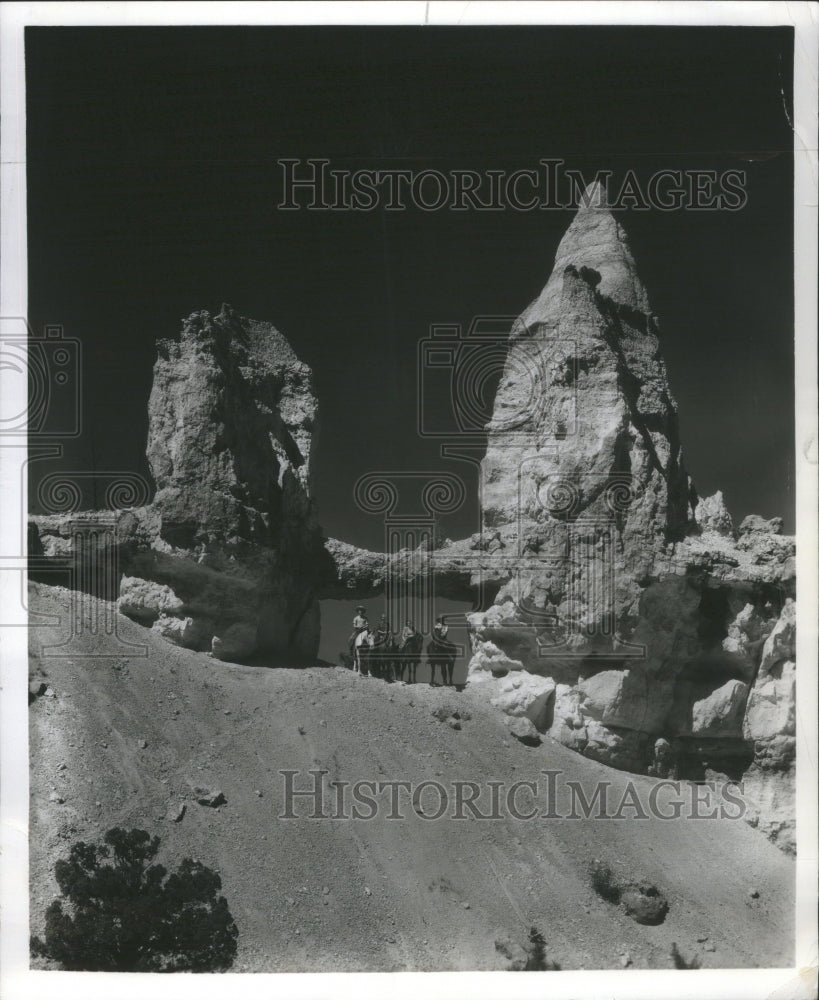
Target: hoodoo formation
(625, 608)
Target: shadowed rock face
(638, 604)
(231, 418)
(230, 422)
(226, 557)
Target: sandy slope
(403, 894)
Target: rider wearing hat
(382, 631)
(360, 624)
(439, 630)
(407, 632)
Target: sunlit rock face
(226, 557)
(231, 419)
(635, 598)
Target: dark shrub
(536, 960)
(604, 882)
(118, 912)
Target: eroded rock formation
(623, 607)
(227, 556)
(638, 607)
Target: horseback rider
(407, 632)
(360, 624)
(382, 631)
(440, 630)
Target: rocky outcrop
(634, 603)
(349, 571)
(769, 725)
(227, 556)
(618, 606)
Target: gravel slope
(325, 895)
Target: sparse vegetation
(536, 954)
(680, 962)
(604, 882)
(119, 912)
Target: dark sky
(153, 189)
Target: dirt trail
(379, 894)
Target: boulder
(524, 694)
(644, 903)
(209, 797)
(524, 731)
(188, 632)
(489, 661)
(721, 713)
(146, 600)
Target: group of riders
(378, 652)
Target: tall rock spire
(632, 616)
(584, 402)
(595, 239)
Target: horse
(441, 653)
(409, 656)
(381, 656)
(362, 646)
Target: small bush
(536, 960)
(604, 882)
(118, 911)
(680, 962)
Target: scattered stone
(206, 797)
(56, 797)
(142, 744)
(523, 729)
(290, 901)
(323, 723)
(259, 792)
(453, 723)
(326, 890)
(644, 903)
(466, 906)
(49, 693)
(177, 813)
(710, 946)
(702, 940)
(754, 893)
(61, 767)
(367, 891)
(625, 960)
